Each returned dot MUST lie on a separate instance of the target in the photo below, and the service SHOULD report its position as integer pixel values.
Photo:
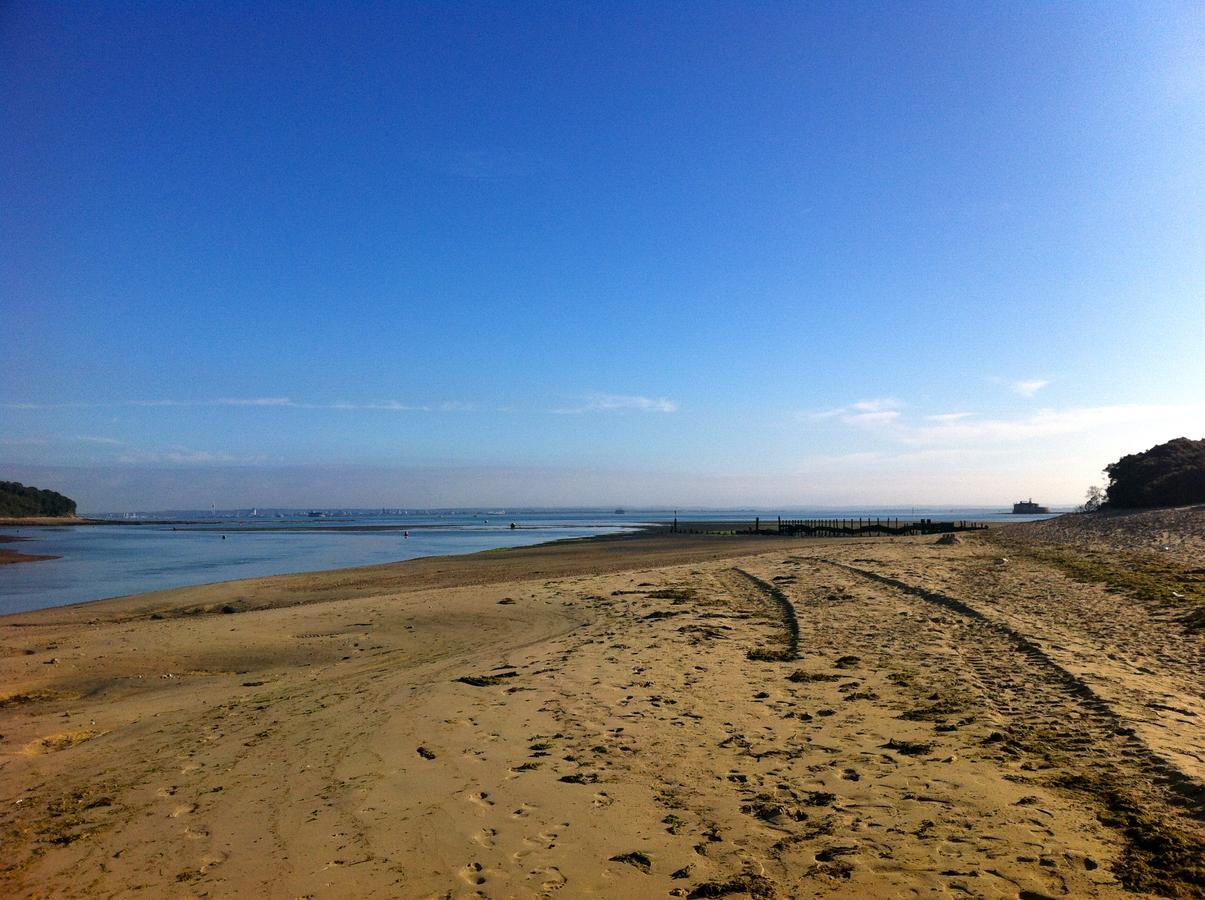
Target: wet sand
(635, 717)
(7, 556)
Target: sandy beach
(630, 717)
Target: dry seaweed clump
(757, 886)
(909, 748)
(768, 808)
(766, 654)
(486, 680)
(934, 712)
(799, 676)
(679, 595)
(636, 859)
(1158, 857)
(27, 697)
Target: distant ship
(1028, 506)
(620, 512)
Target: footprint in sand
(483, 799)
(182, 810)
(485, 837)
(545, 840)
(602, 800)
(523, 809)
(553, 880)
(473, 874)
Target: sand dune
(635, 718)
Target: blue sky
(640, 253)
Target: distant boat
(1022, 507)
(620, 512)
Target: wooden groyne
(865, 527)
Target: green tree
(17, 499)
(1169, 474)
(1094, 499)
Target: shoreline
(9, 557)
(187, 600)
(711, 529)
(41, 521)
(12, 557)
(633, 715)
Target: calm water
(115, 560)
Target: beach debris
(847, 662)
(831, 853)
(799, 676)
(635, 859)
(764, 654)
(33, 697)
(662, 614)
(425, 753)
(909, 748)
(580, 778)
(485, 680)
(757, 886)
(947, 539)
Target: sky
(574, 254)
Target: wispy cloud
(621, 403)
(23, 442)
(877, 411)
(255, 402)
(1025, 387)
(964, 428)
(94, 439)
(1029, 388)
(177, 455)
(1046, 423)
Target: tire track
(767, 594)
(1100, 722)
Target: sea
(138, 552)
